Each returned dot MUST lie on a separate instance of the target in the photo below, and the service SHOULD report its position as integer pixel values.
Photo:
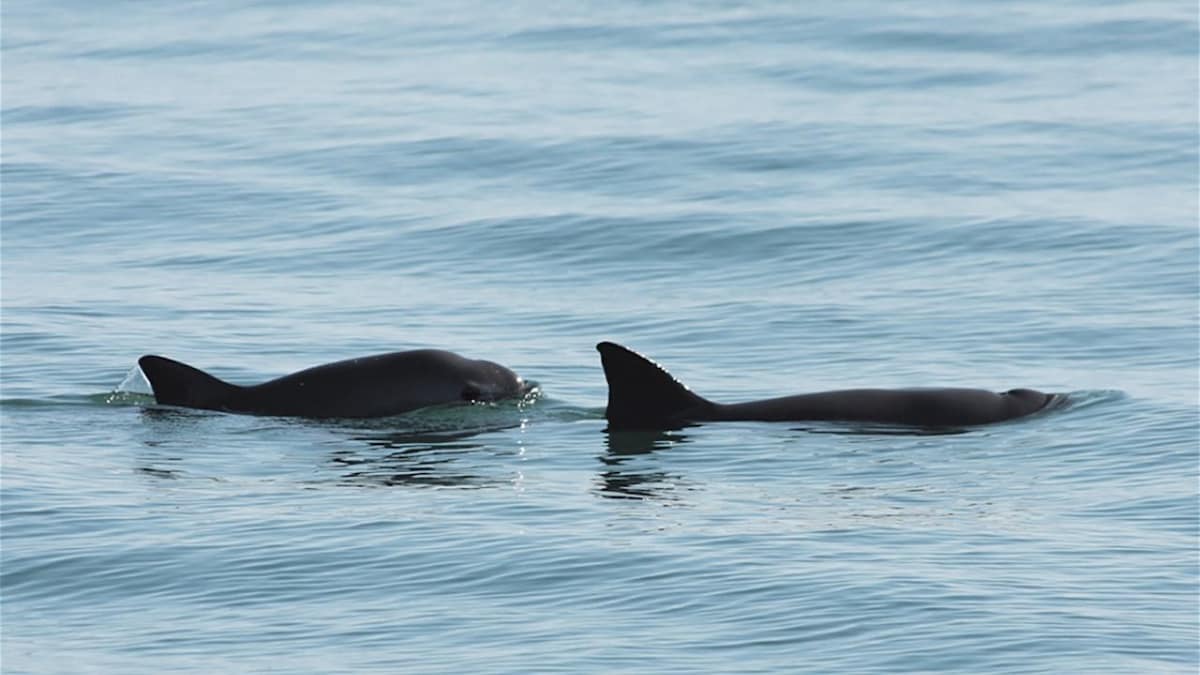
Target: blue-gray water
(766, 198)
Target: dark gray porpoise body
(372, 386)
(642, 395)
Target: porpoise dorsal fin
(176, 383)
(642, 394)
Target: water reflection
(419, 457)
(437, 447)
(626, 474)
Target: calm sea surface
(767, 198)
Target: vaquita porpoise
(372, 386)
(643, 395)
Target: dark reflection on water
(158, 473)
(410, 439)
(626, 474)
(630, 474)
(420, 457)
(417, 466)
(435, 447)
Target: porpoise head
(492, 382)
(1030, 400)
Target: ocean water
(767, 198)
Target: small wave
(88, 400)
(124, 398)
(1081, 400)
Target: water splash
(133, 390)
